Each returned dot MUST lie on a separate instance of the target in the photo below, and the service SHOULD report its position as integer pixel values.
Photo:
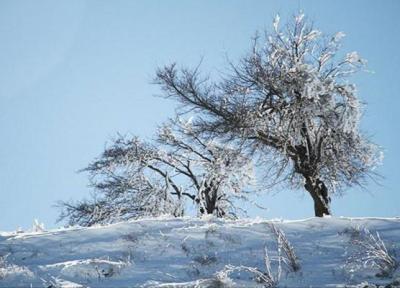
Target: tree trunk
(319, 193)
(209, 198)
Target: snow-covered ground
(192, 252)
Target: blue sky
(74, 73)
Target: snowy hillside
(195, 253)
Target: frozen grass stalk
(268, 279)
(290, 258)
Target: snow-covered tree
(215, 173)
(125, 185)
(291, 102)
(133, 178)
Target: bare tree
(290, 101)
(133, 178)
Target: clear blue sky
(73, 73)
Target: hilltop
(192, 252)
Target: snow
(353, 57)
(190, 252)
(338, 36)
(276, 22)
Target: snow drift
(190, 252)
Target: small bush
(372, 252)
